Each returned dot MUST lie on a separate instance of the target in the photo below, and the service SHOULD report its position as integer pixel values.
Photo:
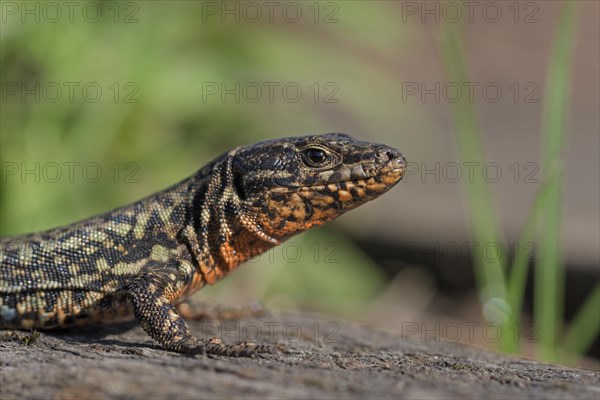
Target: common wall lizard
(141, 260)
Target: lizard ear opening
(238, 185)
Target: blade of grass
(585, 327)
(488, 272)
(548, 293)
(517, 276)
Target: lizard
(141, 260)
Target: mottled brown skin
(144, 258)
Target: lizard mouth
(376, 181)
(390, 173)
(361, 181)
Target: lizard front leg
(149, 297)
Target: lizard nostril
(390, 154)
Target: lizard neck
(222, 233)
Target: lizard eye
(314, 157)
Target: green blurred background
(104, 103)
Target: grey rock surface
(320, 359)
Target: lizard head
(289, 185)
